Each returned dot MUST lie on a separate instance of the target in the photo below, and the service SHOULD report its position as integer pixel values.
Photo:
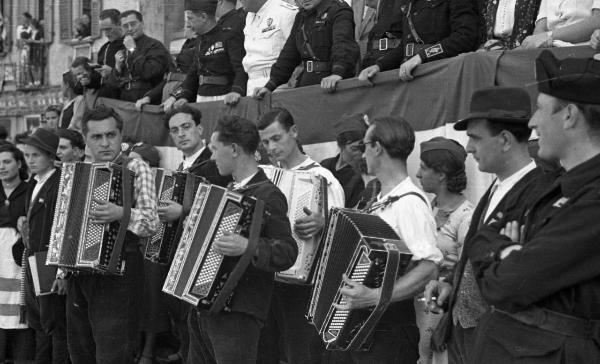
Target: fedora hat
(502, 104)
(571, 79)
(43, 139)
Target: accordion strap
(387, 288)
(246, 258)
(127, 197)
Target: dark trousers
(47, 316)
(103, 314)
(225, 338)
(288, 329)
(179, 311)
(461, 342)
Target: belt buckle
(128, 86)
(383, 44)
(309, 66)
(410, 50)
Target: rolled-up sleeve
(144, 216)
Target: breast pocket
(320, 40)
(269, 41)
(431, 19)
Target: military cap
(353, 126)
(501, 104)
(571, 79)
(206, 6)
(449, 145)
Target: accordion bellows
(179, 187)
(199, 275)
(301, 189)
(368, 251)
(76, 242)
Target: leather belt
(175, 76)
(384, 44)
(414, 48)
(212, 80)
(136, 85)
(556, 322)
(316, 66)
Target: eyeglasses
(362, 145)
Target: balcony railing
(29, 70)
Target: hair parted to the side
(113, 14)
(278, 114)
(234, 129)
(396, 136)
(17, 156)
(137, 14)
(183, 109)
(100, 113)
(442, 161)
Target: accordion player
(198, 274)
(302, 188)
(179, 187)
(78, 243)
(368, 251)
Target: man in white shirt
(301, 343)
(268, 25)
(564, 23)
(498, 135)
(388, 143)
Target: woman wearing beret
(17, 341)
(442, 172)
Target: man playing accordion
(103, 311)
(388, 143)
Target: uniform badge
(324, 16)
(217, 47)
(560, 202)
(269, 26)
(434, 50)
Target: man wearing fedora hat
(498, 135)
(542, 276)
(45, 314)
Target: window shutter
(65, 12)
(95, 17)
(48, 21)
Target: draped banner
(437, 97)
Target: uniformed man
(230, 18)
(217, 72)
(322, 41)
(110, 26)
(543, 279)
(431, 30)
(386, 33)
(184, 61)
(348, 166)
(268, 26)
(143, 63)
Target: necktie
(487, 205)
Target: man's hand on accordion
(170, 211)
(356, 295)
(310, 225)
(106, 212)
(231, 244)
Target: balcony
(26, 70)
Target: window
(70, 16)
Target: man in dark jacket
(322, 41)
(45, 314)
(217, 72)
(143, 63)
(232, 337)
(498, 135)
(431, 30)
(230, 18)
(542, 278)
(110, 26)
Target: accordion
(368, 251)
(199, 275)
(301, 189)
(75, 241)
(179, 187)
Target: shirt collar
(41, 178)
(572, 181)
(243, 182)
(188, 161)
(263, 9)
(516, 177)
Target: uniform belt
(316, 66)
(414, 48)
(136, 85)
(556, 322)
(384, 44)
(212, 80)
(175, 76)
